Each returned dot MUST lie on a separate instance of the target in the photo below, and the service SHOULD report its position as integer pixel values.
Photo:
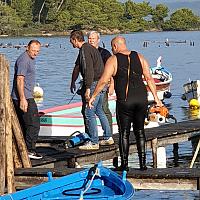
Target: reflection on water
(191, 113)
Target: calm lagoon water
(55, 65)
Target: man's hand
(23, 105)
(90, 102)
(73, 87)
(87, 95)
(159, 103)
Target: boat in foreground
(97, 182)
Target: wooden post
(16, 156)
(9, 155)
(19, 139)
(195, 154)
(2, 126)
(175, 152)
(154, 144)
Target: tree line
(18, 17)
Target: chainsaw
(159, 114)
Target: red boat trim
(58, 125)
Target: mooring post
(154, 144)
(2, 127)
(9, 153)
(20, 139)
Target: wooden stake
(9, 155)
(2, 126)
(154, 145)
(195, 154)
(16, 156)
(20, 139)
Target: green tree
(10, 23)
(182, 19)
(86, 15)
(23, 8)
(158, 15)
(137, 15)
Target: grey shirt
(24, 66)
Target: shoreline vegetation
(34, 18)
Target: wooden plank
(164, 184)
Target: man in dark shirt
(91, 68)
(94, 39)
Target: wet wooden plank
(56, 154)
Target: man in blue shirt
(22, 95)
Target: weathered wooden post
(9, 153)
(2, 126)
(19, 139)
(154, 145)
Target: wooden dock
(56, 155)
(162, 179)
(63, 161)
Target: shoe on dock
(109, 141)
(34, 155)
(89, 146)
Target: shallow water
(55, 64)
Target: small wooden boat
(97, 182)
(192, 93)
(67, 119)
(163, 79)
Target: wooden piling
(9, 152)
(22, 149)
(2, 126)
(154, 145)
(12, 144)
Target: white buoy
(161, 157)
(38, 91)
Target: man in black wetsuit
(127, 68)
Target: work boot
(140, 140)
(123, 166)
(124, 150)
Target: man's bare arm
(20, 89)
(149, 79)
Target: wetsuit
(131, 105)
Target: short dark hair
(77, 34)
(33, 41)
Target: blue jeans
(91, 117)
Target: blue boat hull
(106, 184)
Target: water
(55, 65)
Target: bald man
(127, 68)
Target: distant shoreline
(67, 33)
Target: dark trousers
(30, 122)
